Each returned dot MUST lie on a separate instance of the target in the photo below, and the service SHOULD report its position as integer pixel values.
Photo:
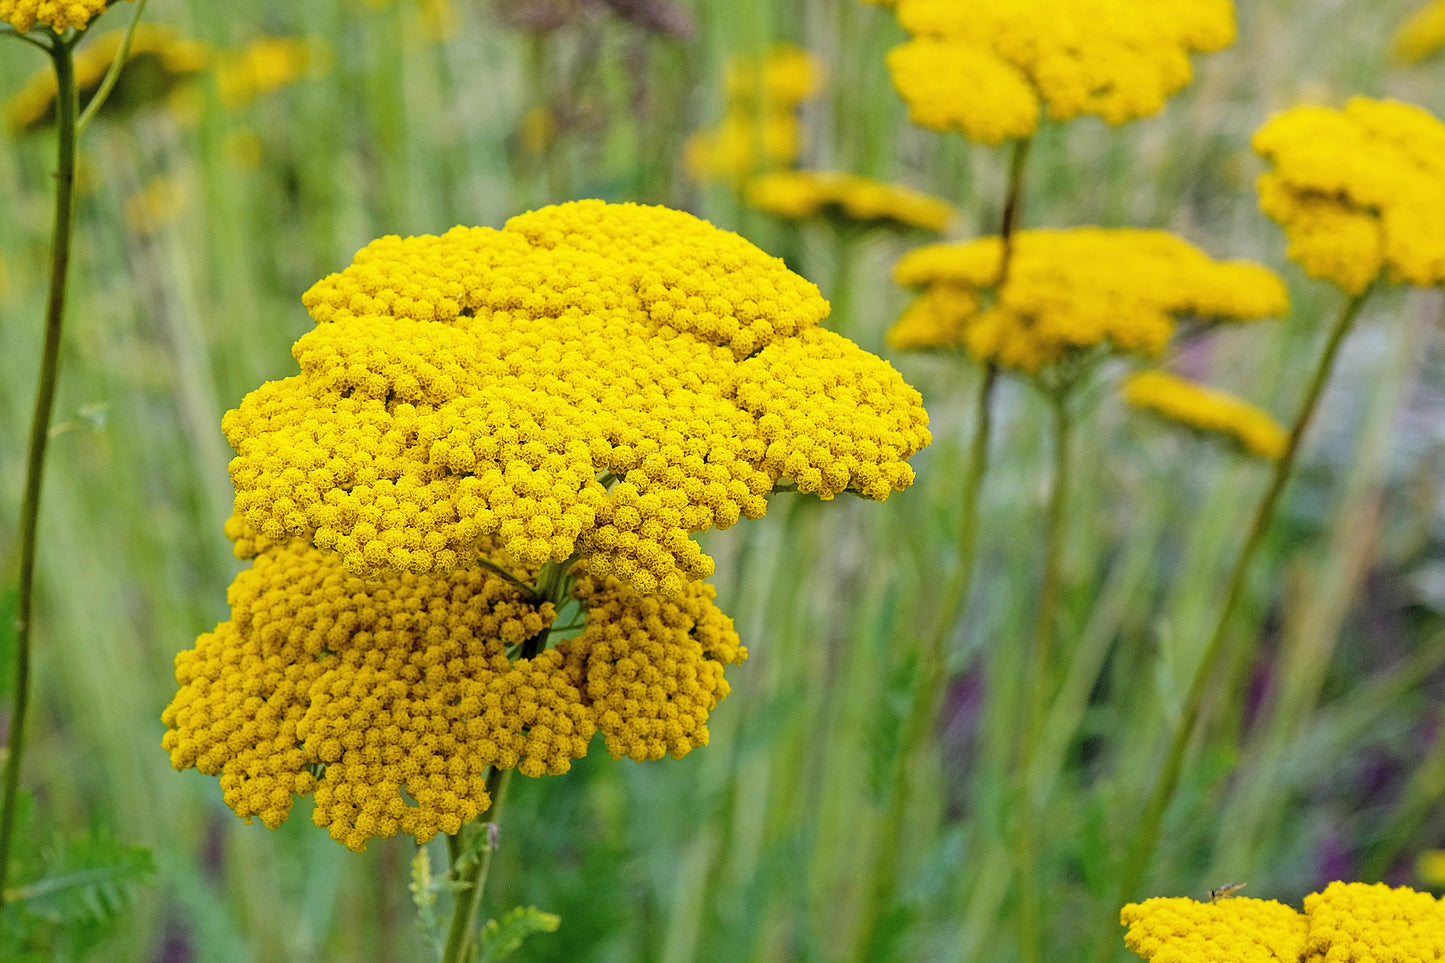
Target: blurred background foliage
(207, 212)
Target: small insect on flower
(1225, 891)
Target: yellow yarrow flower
(362, 694)
(1423, 34)
(267, 65)
(485, 384)
(984, 67)
(1430, 868)
(1347, 923)
(160, 202)
(58, 15)
(1359, 192)
(760, 129)
(1072, 289)
(800, 195)
(1207, 409)
(160, 60)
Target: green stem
(67, 107)
(462, 932)
(932, 661)
(1149, 823)
(1040, 685)
(113, 73)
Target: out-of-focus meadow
(206, 214)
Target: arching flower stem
(552, 585)
(1146, 833)
(933, 661)
(61, 50)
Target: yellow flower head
(58, 15)
(488, 384)
(160, 60)
(742, 144)
(159, 203)
(362, 694)
(267, 65)
(760, 129)
(1347, 923)
(799, 195)
(1072, 289)
(1423, 34)
(1358, 191)
(984, 67)
(1207, 409)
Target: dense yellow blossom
(1207, 409)
(1358, 191)
(354, 692)
(983, 67)
(58, 15)
(160, 58)
(799, 195)
(1075, 288)
(1423, 34)
(759, 130)
(267, 65)
(937, 318)
(488, 383)
(1347, 923)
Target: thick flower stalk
(490, 427)
(1358, 191)
(1346, 923)
(159, 59)
(1207, 410)
(1072, 289)
(848, 198)
(989, 68)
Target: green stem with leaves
(1148, 824)
(67, 110)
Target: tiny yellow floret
(800, 195)
(1359, 192)
(1207, 409)
(1072, 289)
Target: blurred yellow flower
(58, 15)
(1347, 923)
(244, 148)
(781, 78)
(799, 195)
(160, 60)
(479, 384)
(1430, 868)
(1208, 410)
(1423, 34)
(267, 65)
(1359, 192)
(1070, 289)
(157, 204)
(984, 67)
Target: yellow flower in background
(984, 67)
(1208, 410)
(1430, 868)
(1359, 192)
(938, 318)
(799, 195)
(160, 60)
(267, 65)
(484, 384)
(157, 204)
(1075, 288)
(760, 130)
(58, 15)
(1347, 923)
(1423, 34)
(387, 700)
